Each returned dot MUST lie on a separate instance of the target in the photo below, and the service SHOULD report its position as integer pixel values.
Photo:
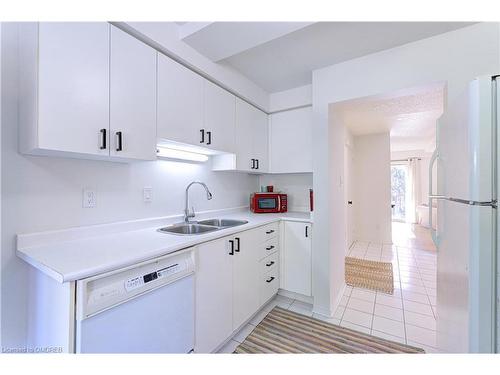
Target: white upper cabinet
(251, 141)
(219, 118)
(64, 83)
(193, 110)
(260, 141)
(180, 102)
(251, 138)
(290, 141)
(132, 97)
(85, 89)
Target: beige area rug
(284, 331)
(369, 274)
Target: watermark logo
(36, 349)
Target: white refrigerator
(466, 234)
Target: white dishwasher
(147, 308)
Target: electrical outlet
(89, 198)
(147, 194)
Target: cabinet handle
(119, 141)
(269, 264)
(270, 279)
(270, 231)
(257, 160)
(253, 164)
(237, 244)
(349, 202)
(209, 138)
(307, 231)
(232, 247)
(270, 248)
(202, 131)
(103, 139)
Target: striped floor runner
(284, 331)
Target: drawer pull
(269, 264)
(270, 279)
(270, 231)
(270, 248)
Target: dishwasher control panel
(139, 281)
(105, 291)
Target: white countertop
(77, 253)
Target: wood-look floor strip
(284, 331)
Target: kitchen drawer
(269, 231)
(269, 285)
(269, 247)
(269, 263)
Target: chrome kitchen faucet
(187, 213)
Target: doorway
(399, 191)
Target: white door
(261, 140)
(180, 102)
(291, 141)
(132, 97)
(214, 295)
(296, 257)
(244, 130)
(73, 86)
(219, 118)
(348, 196)
(245, 277)
(465, 268)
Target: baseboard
(297, 296)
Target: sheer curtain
(412, 190)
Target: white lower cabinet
(296, 257)
(232, 283)
(246, 299)
(214, 295)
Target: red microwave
(262, 203)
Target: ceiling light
(169, 153)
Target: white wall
(372, 188)
(166, 35)
(296, 185)
(293, 98)
(455, 58)
(41, 193)
(0, 183)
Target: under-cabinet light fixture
(170, 153)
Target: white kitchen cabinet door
(132, 97)
(71, 82)
(290, 141)
(180, 102)
(261, 141)
(296, 257)
(214, 293)
(244, 129)
(245, 277)
(219, 118)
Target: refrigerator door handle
(435, 237)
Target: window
(399, 175)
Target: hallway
(408, 316)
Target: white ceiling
(409, 115)
(233, 37)
(279, 56)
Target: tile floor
(408, 316)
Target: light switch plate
(89, 198)
(147, 194)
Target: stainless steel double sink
(201, 227)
